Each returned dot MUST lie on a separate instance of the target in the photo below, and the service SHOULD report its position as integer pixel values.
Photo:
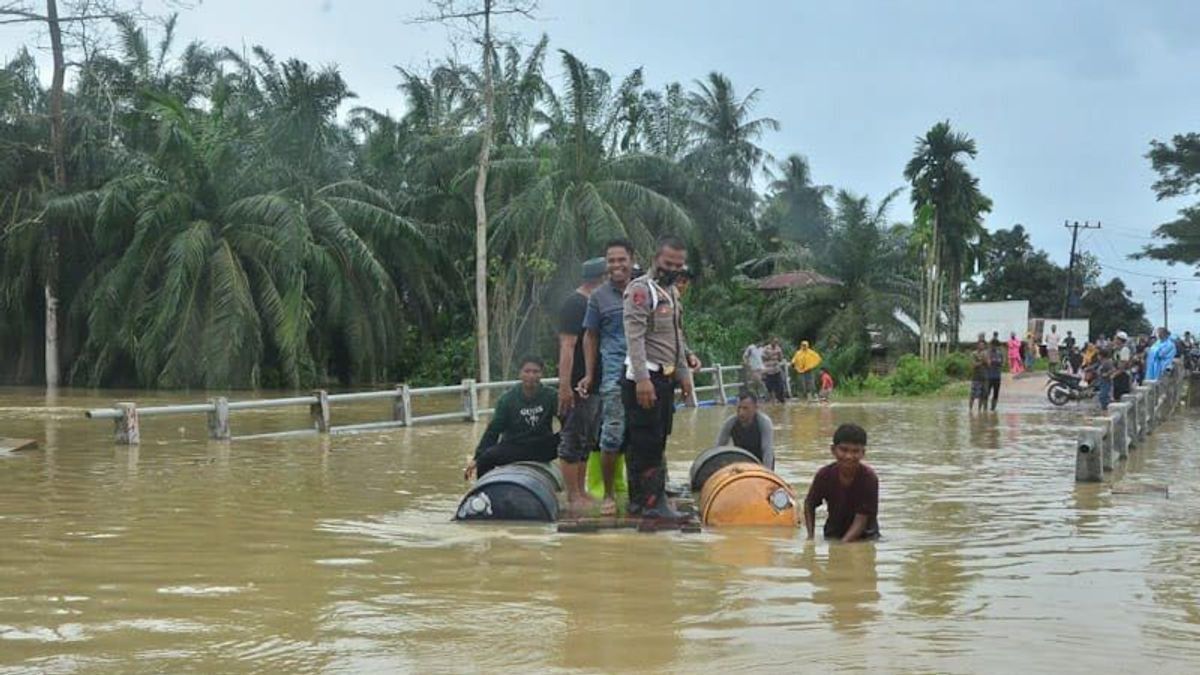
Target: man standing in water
(849, 488)
(604, 353)
(750, 430)
(773, 370)
(995, 367)
(752, 361)
(805, 361)
(578, 410)
(980, 362)
(657, 360)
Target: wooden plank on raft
(16, 444)
(599, 523)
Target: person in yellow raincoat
(805, 361)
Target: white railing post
(722, 399)
(1106, 442)
(218, 419)
(1089, 461)
(1131, 418)
(128, 431)
(1120, 418)
(470, 400)
(402, 405)
(319, 411)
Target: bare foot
(608, 507)
(581, 504)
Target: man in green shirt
(522, 428)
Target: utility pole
(1075, 228)
(1166, 288)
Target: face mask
(667, 278)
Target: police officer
(658, 358)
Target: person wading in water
(750, 430)
(657, 360)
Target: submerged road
(337, 554)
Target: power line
(1144, 274)
(1167, 289)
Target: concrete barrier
(1089, 459)
(1125, 425)
(1120, 428)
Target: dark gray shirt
(766, 438)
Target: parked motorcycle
(1061, 389)
(1191, 360)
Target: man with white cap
(1123, 355)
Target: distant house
(1005, 318)
(799, 279)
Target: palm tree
(560, 200)
(727, 136)
(947, 196)
(666, 125)
(205, 284)
(571, 192)
(721, 162)
(865, 256)
(796, 209)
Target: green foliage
(446, 362)
(847, 362)
(913, 378)
(940, 179)
(875, 385)
(866, 259)
(224, 227)
(721, 319)
(956, 365)
(1111, 308)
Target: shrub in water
(912, 377)
(956, 366)
(878, 386)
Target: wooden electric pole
(1075, 228)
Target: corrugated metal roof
(800, 279)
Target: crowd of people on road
(1112, 366)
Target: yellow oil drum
(747, 494)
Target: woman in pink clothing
(1014, 355)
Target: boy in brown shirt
(849, 488)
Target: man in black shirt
(581, 414)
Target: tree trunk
(481, 176)
(955, 308)
(932, 294)
(58, 150)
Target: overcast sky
(1061, 97)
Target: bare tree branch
(447, 10)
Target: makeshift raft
(734, 489)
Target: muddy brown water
(336, 554)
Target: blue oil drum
(520, 491)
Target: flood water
(336, 554)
